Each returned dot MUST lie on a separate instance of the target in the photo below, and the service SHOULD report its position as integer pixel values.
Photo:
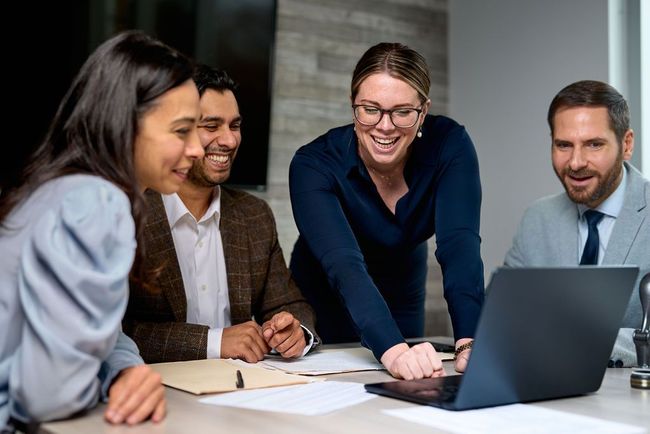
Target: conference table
(615, 401)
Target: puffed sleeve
(73, 288)
(125, 354)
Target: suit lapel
(629, 221)
(566, 229)
(160, 250)
(235, 248)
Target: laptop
(543, 333)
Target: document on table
(328, 362)
(331, 362)
(306, 399)
(217, 375)
(511, 419)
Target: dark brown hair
(95, 127)
(206, 77)
(592, 93)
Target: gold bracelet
(465, 346)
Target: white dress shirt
(199, 249)
(611, 207)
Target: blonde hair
(399, 61)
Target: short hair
(206, 77)
(398, 61)
(592, 93)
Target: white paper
(329, 362)
(516, 418)
(306, 399)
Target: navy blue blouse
(369, 256)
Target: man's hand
(136, 395)
(283, 332)
(244, 341)
(461, 359)
(419, 361)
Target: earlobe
(628, 144)
(425, 108)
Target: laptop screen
(543, 333)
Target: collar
(614, 203)
(176, 209)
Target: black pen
(240, 380)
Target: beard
(594, 196)
(199, 174)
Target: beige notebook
(217, 375)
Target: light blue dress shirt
(66, 255)
(611, 208)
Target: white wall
(507, 60)
(645, 85)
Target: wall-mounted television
(55, 40)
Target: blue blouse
(347, 229)
(66, 255)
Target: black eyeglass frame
(390, 114)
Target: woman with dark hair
(366, 197)
(69, 230)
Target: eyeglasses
(369, 115)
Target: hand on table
(284, 333)
(136, 395)
(244, 341)
(419, 361)
(460, 364)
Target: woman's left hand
(460, 364)
(136, 395)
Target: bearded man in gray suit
(591, 145)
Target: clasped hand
(250, 341)
(419, 361)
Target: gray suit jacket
(548, 236)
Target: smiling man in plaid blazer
(224, 290)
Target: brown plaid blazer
(259, 282)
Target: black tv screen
(237, 36)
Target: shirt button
(203, 287)
(200, 243)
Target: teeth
(218, 158)
(387, 143)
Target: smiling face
(586, 156)
(220, 133)
(384, 145)
(167, 140)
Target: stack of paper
(321, 363)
